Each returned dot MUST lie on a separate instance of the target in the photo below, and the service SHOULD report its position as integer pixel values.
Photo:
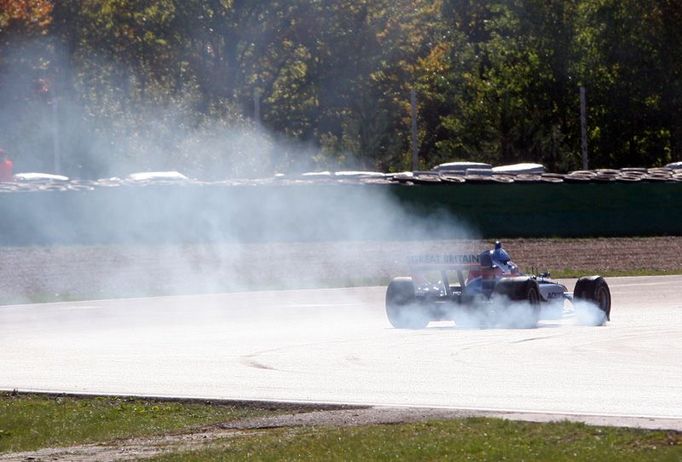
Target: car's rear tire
(523, 295)
(402, 308)
(594, 290)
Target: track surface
(336, 346)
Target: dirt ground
(603, 255)
(67, 272)
(108, 271)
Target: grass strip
(30, 421)
(571, 273)
(478, 439)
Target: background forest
(219, 88)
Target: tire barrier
(430, 177)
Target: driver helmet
(500, 255)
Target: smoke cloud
(206, 235)
(588, 313)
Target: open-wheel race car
(490, 290)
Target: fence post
(415, 150)
(583, 128)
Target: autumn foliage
(496, 81)
(30, 14)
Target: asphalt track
(336, 346)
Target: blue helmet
(499, 254)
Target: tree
(23, 83)
(632, 70)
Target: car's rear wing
(444, 262)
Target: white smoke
(588, 313)
(498, 312)
(266, 237)
(144, 241)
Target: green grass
(571, 273)
(474, 439)
(30, 422)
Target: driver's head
(499, 254)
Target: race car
(490, 291)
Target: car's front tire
(594, 290)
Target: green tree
(632, 70)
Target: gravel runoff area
(68, 272)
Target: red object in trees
(6, 167)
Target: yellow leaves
(378, 76)
(35, 15)
(437, 59)
(653, 101)
(298, 69)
